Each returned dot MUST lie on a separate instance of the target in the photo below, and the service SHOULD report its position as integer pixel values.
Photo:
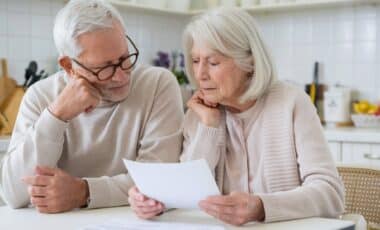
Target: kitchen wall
(345, 40)
(26, 33)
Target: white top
(31, 219)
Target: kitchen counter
(352, 134)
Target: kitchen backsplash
(346, 41)
(26, 33)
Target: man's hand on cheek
(78, 96)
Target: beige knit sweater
(277, 150)
(143, 127)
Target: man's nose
(120, 74)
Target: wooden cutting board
(10, 99)
(9, 110)
(7, 84)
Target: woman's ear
(65, 63)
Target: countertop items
(336, 105)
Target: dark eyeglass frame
(115, 66)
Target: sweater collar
(247, 114)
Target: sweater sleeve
(37, 139)
(161, 140)
(201, 141)
(321, 192)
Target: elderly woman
(261, 138)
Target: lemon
(357, 108)
(371, 111)
(373, 107)
(363, 107)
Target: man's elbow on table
(13, 199)
(16, 204)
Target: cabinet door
(374, 155)
(358, 153)
(336, 150)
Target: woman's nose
(201, 72)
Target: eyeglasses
(107, 72)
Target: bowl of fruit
(367, 115)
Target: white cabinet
(354, 145)
(359, 153)
(336, 150)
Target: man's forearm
(109, 191)
(29, 147)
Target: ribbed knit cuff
(272, 211)
(99, 192)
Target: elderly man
(75, 127)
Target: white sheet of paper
(144, 225)
(177, 185)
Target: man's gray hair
(79, 17)
(233, 33)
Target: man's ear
(65, 63)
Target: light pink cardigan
(276, 150)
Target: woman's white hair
(233, 33)
(82, 16)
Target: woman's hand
(237, 208)
(208, 112)
(143, 206)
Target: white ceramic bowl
(366, 121)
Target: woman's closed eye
(195, 61)
(214, 63)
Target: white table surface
(30, 219)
